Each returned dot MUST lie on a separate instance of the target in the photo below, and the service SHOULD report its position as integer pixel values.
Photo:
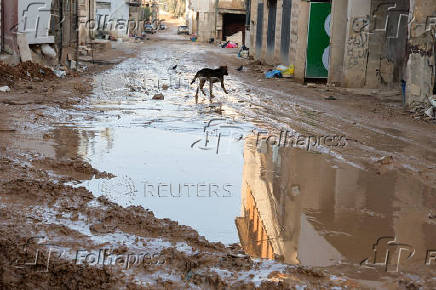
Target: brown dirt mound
(24, 71)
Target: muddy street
(115, 177)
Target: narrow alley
(112, 176)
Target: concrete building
(217, 19)
(350, 43)
(44, 31)
(113, 17)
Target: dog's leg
(196, 95)
(210, 90)
(222, 85)
(202, 82)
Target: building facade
(217, 19)
(350, 43)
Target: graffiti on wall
(357, 43)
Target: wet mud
(104, 187)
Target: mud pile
(24, 71)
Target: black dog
(213, 76)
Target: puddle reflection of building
(301, 208)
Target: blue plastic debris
(273, 74)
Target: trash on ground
(244, 52)
(430, 112)
(432, 100)
(311, 85)
(330, 98)
(287, 71)
(228, 44)
(158, 97)
(5, 89)
(273, 74)
(48, 51)
(60, 73)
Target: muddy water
(181, 160)
(197, 164)
(305, 208)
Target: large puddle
(306, 208)
(201, 167)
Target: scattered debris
(174, 67)
(432, 100)
(60, 73)
(165, 87)
(430, 112)
(240, 68)
(422, 111)
(244, 52)
(287, 71)
(158, 97)
(385, 160)
(311, 85)
(28, 70)
(330, 98)
(273, 74)
(5, 89)
(48, 51)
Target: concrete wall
(356, 44)
(10, 14)
(231, 4)
(421, 45)
(301, 11)
(387, 43)
(337, 41)
(298, 35)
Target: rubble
(158, 97)
(5, 89)
(422, 111)
(48, 51)
(24, 71)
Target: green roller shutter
(318, 41)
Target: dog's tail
(195, 78)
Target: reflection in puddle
(160, 170)
(302, 208)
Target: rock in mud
(158, 97)
(5, 89)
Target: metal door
(259, 30)
(286, 31)
(318, 40)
